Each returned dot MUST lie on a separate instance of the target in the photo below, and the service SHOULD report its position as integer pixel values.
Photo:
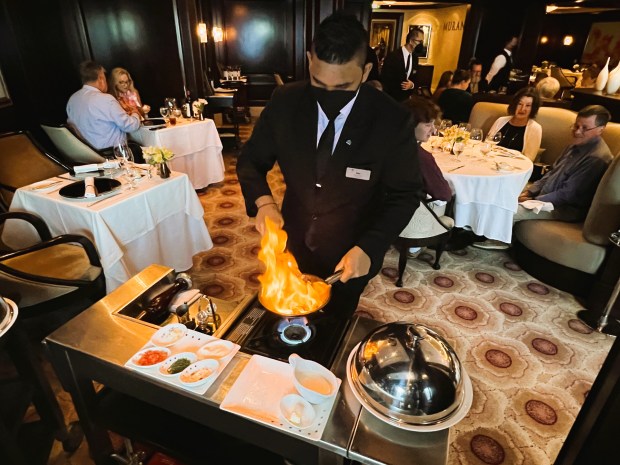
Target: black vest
(501, 78)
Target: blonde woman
(121, 86)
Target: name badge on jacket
(357, 173)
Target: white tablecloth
(486, 199)
(196, 146)
(159, 222)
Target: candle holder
(603, 324)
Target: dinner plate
(104, 186)
(8, 315)
(154, 123)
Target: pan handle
(334, 277)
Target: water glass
(443, 125)
(458, 148)
(465, 126)
(164, 112)
(485, 148)
(124, 155)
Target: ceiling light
(568, 40)
(544, 39)
(551, 8)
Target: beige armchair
(569, 256)
(429, 226)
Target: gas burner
(294, 331)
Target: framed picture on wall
(426, 45)
(383, 34)
(603, 42)
(5, 99)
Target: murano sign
(453, 25)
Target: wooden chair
(429, 226)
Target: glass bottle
(157, 310)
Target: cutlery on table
(105, 198)
(45, 186)
(457, 168)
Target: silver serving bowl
(408, 373)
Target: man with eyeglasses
(572, 181)
(400, 66)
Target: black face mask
(332, 101)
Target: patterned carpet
(530, 359)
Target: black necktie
(407, 72)
(324, 149)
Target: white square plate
(257, 392)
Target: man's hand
(354, 264)
(406, 85)
(267, 207)
(525, 196)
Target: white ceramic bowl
(217, 349)
(169, 335)
(297, 411)
(312, 380)
(164, 367)
(199, 372)
(141, 359)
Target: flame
(284, 289)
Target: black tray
(104, 186)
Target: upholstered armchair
(50, 281)
(570, 256)
(429, 226)
(22, 162)
(71, 147)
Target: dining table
(196, 146)
(486, 187)
(159, 221)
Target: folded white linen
(186, 296)
(111, 164)
(89, 187)
(537, 206)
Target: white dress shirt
(338, 122)
(99, 118)
(498, 63)
(406, 55)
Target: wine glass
(475, 135)
(465, 126)
(124, 155)
(495, 138)
(443, 125)
(458, 148)
(165, 113)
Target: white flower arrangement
(199, 105)
(156, 155)
(455, 134)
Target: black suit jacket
(393, 73)
(378, 137)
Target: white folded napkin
(537, 206)
(111, 164)
(186, 296)
(89, 187)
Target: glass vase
(163, 170)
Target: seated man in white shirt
(97, 116)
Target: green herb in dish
(179, 365)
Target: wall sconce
(218, 34)
(568, 40)
(201, 29)
(544, 39)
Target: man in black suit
(349, 161)
(400, 66)
(477, 84)
(455, 102)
